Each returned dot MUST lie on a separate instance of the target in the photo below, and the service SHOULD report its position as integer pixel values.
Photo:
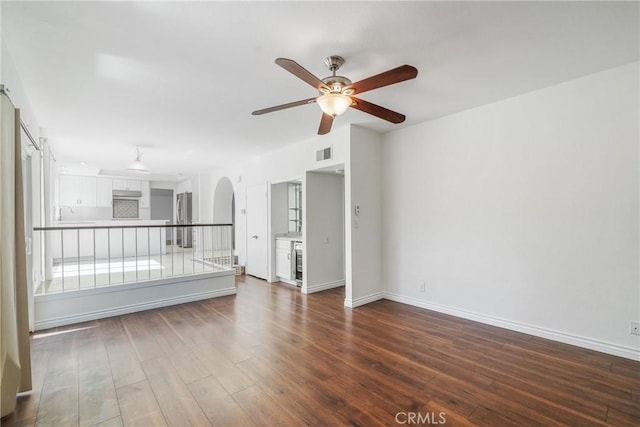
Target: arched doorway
(224, 211)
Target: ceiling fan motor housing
(333, 62)
(335, 84)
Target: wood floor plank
(113, 422)
(59, 400)
(217, 404)
(138, 405)
(174, 398)
(263, 410)
(293, 395)
(99, 401)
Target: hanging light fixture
(136, 166)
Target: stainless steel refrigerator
(183, 217)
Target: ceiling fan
(336, 93)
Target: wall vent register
(324, 154)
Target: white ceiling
(181, 79)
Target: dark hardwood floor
(271, 356)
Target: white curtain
(15, 357)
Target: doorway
(324, 241)
(257, 231)
(161, 206)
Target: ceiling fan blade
(397, 75)
(284, 106)
(297, 70)
(325, 124)
(376, 110)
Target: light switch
(357, 209)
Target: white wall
(203, 198)
(523, 213)
(324, 231)
(363, 242)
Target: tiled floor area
(86, 274)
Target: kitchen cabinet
(127, 184)
(77, 191)
(104, 193)
(284, 265)
(145, 200)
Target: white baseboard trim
(101, 314)
(353, 303)
(579, 341)
(322, 286)
(287, 281)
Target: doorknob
(254, 237)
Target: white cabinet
(77, 191)
(127, 184)
(104, 193)
(284, 269)
(145, 200)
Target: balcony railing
(85, 257)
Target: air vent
(324, 154)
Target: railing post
(62, 256)
(148, 253)
(109, 253)
(95, 280)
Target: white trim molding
(322, 286)
(584, 342)
(92, 304)
(357, 302)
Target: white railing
(85, 257)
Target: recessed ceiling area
(180, 79)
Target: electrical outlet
(634, 327)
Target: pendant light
(136, 166)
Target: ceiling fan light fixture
(334, 104)
(136, 166)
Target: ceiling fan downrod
(333, 63)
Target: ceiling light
(137, 166)
(334, 104)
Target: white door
(257, 240)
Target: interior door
(257, 240)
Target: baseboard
(287, 281)
(353, 303)
(579, 341)
(322, 286)
(133, 308)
